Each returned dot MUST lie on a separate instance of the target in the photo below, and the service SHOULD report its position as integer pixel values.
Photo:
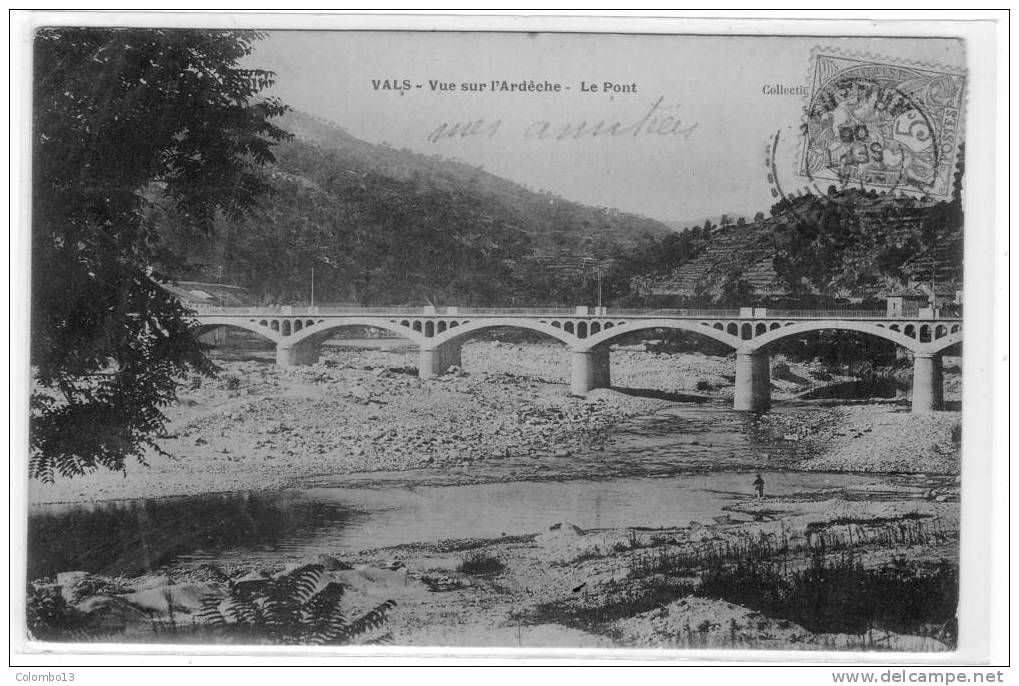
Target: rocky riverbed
(255, 427)
(259, 427)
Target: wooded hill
(387, 226)
(850, 245)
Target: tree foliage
(127, 123)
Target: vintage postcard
(371, 338)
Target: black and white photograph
(382, 338)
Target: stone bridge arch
(321, 330)
(304, 346)
(775, 335)
(753, 375)
(443, 350)
(605, 337)
(590, 363)
(207, 324)
(460, 333)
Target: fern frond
(373, 619)
(383, 640)
(209, 612)
(306, 581)
(292, 608)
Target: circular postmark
(874, 125)
(862, 128)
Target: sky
(694, 120)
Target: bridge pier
(435, 361)
(589, 369)
(753, 381)
(928, 386)
(294, 355)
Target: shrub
(612, 602)
(841, 596)
(478, 564)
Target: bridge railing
(707, 314)
(305, 311)
(391, 311)
(827, 314)
(366, 311)
(515, 311)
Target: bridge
(299, 332)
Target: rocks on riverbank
(259, 427)
(872, 438)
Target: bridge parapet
(582, 331)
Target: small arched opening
(275, 325)
(732, 329)
(568, 327)
(746, 332)
(429, 329)
(761, 328)
(285, 329)
(581, 329)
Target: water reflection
(127, 538)
(138, 536)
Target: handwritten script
(654, 122)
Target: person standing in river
(759, 486)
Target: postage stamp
(881, 124)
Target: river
(660, 470)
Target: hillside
(387, 226)
(850, 245)
(552, 223)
